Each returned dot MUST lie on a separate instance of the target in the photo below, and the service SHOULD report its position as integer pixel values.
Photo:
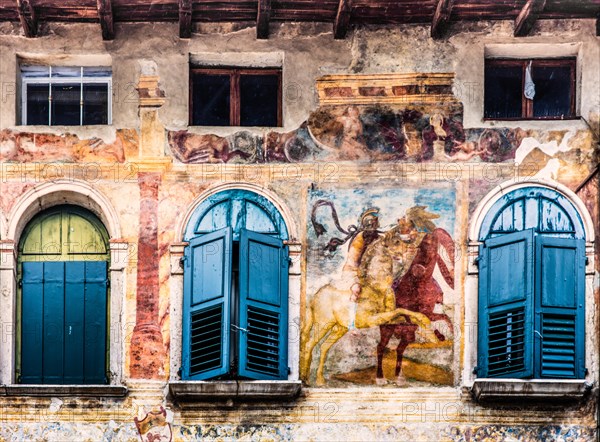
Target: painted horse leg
(336, 334)
(318, 334)
(407, 336)
(385, 333)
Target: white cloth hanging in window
(529, 89)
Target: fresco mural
(28, 146)
(386, 278)
(374, 133)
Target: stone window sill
(228, 391)
(555, 390)
(117, 391)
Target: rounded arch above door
(64, 232)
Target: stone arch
(53, 193)
(260, 190)
(486, 204)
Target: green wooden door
(63, 308)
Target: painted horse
(416, 290)
(330, 310)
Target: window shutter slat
(206, 298)
(505, 346)
(263, 306)
(560, 308)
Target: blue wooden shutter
(206, 300)
(505, 347)
(560, 308)
(64, 312)
(263, 307)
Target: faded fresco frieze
(367, 133)
(380, 296)
(25, 146)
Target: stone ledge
(64, 390)
(199, 391)
(489, 390)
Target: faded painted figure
(331, 309)
(417, 290)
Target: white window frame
(25, 81)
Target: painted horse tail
(447, 243)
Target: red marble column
(147, 349)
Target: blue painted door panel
(263, 306)
(64, 313)
(505, 346)
(206, 298)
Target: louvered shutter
(505, 347)
(263, 307)
(206, 298)
(560, 308)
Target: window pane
(552, 91)
(259, 99)
(37, 104)
(35, 71)
(210, 100)
(97, 72)
(65, 104)
(95, 104)
(503, 91)
(66, 72)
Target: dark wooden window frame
(234, 89)
(527, 104)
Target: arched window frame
(185, 227)
(479, 222)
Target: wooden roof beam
(342, 19)
(185, 18)
(105, 14)
(441, 17)
(527, 17)
(27, 17)
(263, 18)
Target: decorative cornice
(385, 88)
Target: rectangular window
(65, 95)
(235, 97)
(506, 81)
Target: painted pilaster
(147, 349)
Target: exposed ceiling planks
(341, 13)
(527, 17)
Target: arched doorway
(62, 305)
(235, 299)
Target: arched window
(532, 287)
(62, 305)
(235, 312)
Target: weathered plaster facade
(366, 139)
